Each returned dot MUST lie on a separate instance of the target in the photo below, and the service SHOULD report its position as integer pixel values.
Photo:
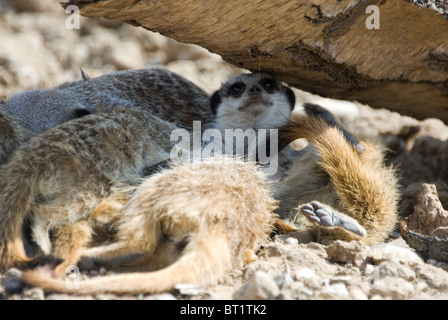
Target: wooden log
(327, 47)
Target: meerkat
(259, 101)
(272, 99)
(304, 180)
(254, 103)
(165, 94)
(247, 101)
(210, 223)
(59, 177)
(340, 185)
(205, 215)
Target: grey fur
(165, 94)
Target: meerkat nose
(254, 90)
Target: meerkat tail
(367, 189)
(204, 261)
(15, 197)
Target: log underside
(320, 46)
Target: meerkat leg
(130, 245)
(114, 253)
(167, 252)
(325, 216)
(40, 233)
(69, 242)
(109, 210)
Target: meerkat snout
(254, 90)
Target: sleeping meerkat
(254, 101)
(206, 215)
(340, 185)
(249, 106)
(58, 178)
(165, 94)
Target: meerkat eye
(236, 88)
(269, 85)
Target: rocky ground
(38, 51)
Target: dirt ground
(37, 50)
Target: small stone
(301, 236)
(64, 296)
(34, 294)
(284, 279)
(435, 277)
(354, 252)
(429, 213)
(12, 282)
(318, 248)
(394, 268)
(291, 241)
(367, 269)
(389, 251)
(107, 296)
(356, 293)
(161, 296)
(305, 273)
(395, 288)
(334, 291)
(188, 289)
(259, 287)
(102, 271)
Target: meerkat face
(256, 100)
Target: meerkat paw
(325, 216)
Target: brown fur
(185, 203)
(354, 184)
(218, 219)
(59, 177)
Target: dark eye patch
(236, 89)
(269, 85)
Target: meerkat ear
(291, 97)
(84, 75)
(215, 101)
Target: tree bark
(324, 47)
